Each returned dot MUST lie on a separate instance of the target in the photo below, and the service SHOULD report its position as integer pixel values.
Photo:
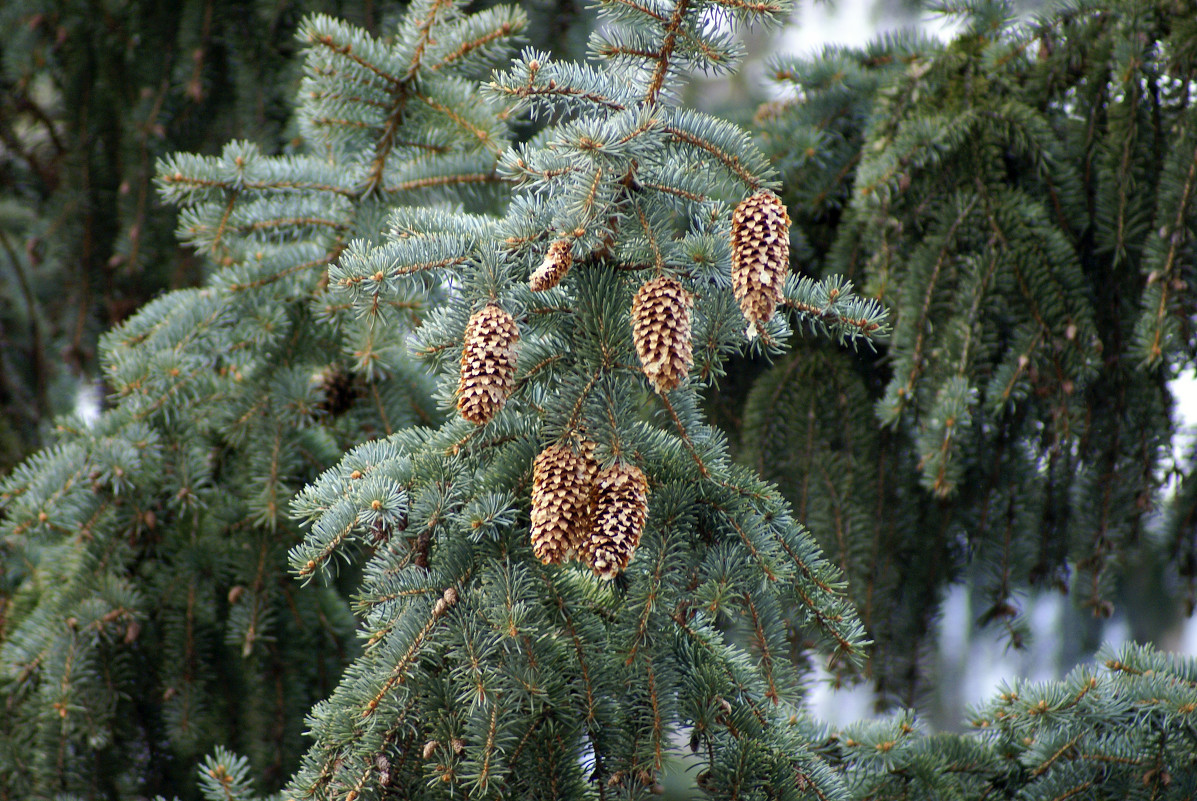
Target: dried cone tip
(561, 482)
(620, 506)
(556, 264)
(760, 256)
(661, 331)
(487, 364)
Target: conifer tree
(471, 326)
(155, 535)
(575, 537)
(147, 613)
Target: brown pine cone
(556, 264)
(561, 483)
(661, 331)
(487, 364)
(760, 245)
(620, 506)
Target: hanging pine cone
(760, 256)
(487, 364)
(620, 506)
(341, 389)
(661, 331)
(561, 482)
(554, 267)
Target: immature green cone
(620, 506)
(556, 264)
(561, 483)
(487, 364)
(661, 331)
(760, 245)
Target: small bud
(430, 749)
(384, 769)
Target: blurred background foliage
(1017, 190)
(91, 95)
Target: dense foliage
(363, 392)
(1023, 200)
(90, 97)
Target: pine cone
(760, 256)
(620, 506)
(561, 482)
(487, 364)
(341, 389)
(554, 267)
(661, 330)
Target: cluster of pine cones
(578, 510)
